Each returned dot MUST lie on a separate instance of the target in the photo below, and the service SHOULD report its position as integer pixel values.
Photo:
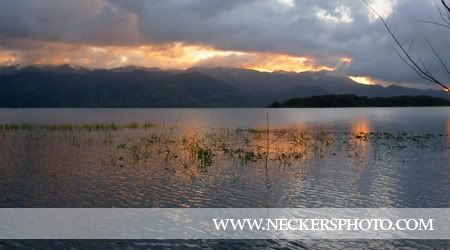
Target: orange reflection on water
(361, 126)
(448, 132)
(360, 151)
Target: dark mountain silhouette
(68, 86)
(31, 87)
(286, 85)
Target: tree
(416, 63)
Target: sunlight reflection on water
(216, 158)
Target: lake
(315, 158)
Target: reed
(91, 127)
(200, 152)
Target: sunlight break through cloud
(167, 56)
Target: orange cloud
(8, 58)
(167, 56)
(368, 80)
(346, 60)
(363, 80)
(274, 62)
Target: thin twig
(433, 22)
(443, 64)
(446, 6)
(422, 71)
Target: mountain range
(69, 86)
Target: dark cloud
(323, 29)
(81, 21)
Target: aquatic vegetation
(99, 127)
(56, 127)
(91, 127)
(205, 156)
(146, 125)
(76, 141)
(199, 152)
(244, 156)
(288, 148)
(16, 126)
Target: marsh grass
(289, 150)
(16, 126)
(90, 127)
(244, 146)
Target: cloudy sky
(266, 35)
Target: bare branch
(407, 62)
(446, 19)
(435, 23)
(445, 5)
(444, 15)
(411, 45)
(438, 56)
(405, 55)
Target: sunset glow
(7, 58)
(347, 60)
(178, 55)
(448, 132)
(360, 129)
(270, 63)
(361, 125)
(167, 56)
(363, 80)
(266, 36)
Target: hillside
(67, 86)
(101, 88)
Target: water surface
(359, 157)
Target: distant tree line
(328, 101)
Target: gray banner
(206, 223)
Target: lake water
(358, 157)
(399, 119)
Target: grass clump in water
(16, 126)
(91, 127)
(205, 156)
(100, 127)
(57, 127)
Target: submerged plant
(205, 156)
(199, 152)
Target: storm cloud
(325, 31)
